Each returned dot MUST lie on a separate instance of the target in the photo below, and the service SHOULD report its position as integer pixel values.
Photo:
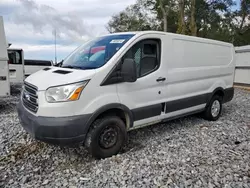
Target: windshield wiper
(86, 68)
(77, 67)
(71, 67)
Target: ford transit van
(119, 82)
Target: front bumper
(55, 130)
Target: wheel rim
(108, 137)
(215, 110)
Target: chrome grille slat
(29, 97)
(30, 89)
(30, 85)
(30, 101)
(30, 104)
(33, 100)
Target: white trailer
(4, 66)
(242, 69)
(11, 64)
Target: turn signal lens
(76, 94)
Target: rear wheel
(106, 137)
(213, 110)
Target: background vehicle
(16, 65)
(242, 70)
(138, 79)
(31, 65)
(4, 66)
(11, 64)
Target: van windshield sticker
(117, 41)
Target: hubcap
(108, 137)
(215, 110)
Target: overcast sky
(30, 24)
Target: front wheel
(213, 110)
(106, 137)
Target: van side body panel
(195, 69)
(199, 67)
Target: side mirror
(128, 70)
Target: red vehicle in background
(97, 49)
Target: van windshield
(95, 53)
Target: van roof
(137, 33)
(169, 34)
(14, 49)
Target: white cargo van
(123, 81)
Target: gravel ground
(181, 153)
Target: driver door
(144, 97)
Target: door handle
(160, 79)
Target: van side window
(146, 56)
(149, 58)
(137, 59)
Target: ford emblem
(27, 96)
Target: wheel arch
(117, 109)
(218, 91)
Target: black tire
(106, 128)
(207, 114)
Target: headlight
(69, 92)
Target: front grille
(30, 98)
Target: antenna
(55, 48)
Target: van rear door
(16, 65)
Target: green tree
(164, 6)
(210, 15)
(214, 19)
(242, 26)
(181, 20)
(135, 17)
(171, 18)
(193, 27)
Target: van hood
(54, 76)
